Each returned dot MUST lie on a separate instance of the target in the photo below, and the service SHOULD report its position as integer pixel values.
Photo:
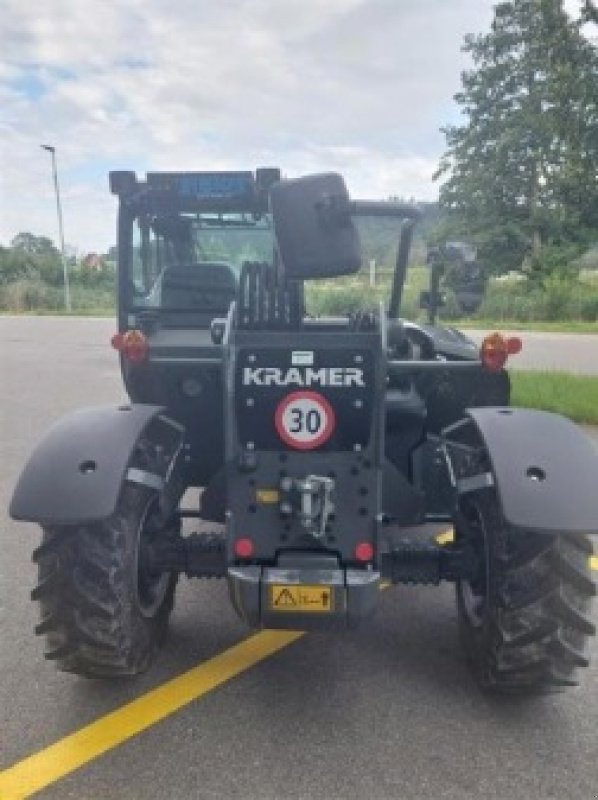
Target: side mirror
(314, 230)
(469, 302)
(122, 181)
(425, 300)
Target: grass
(574, 396)
(566, 326)
(59, 312)
(560, 307)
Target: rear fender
(544, 468)
(75, 474)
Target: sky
(361, 87)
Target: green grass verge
(568, 326)
(50, 312)
(575, 396)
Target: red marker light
(495, 350)
(132, 344)
(514, 345)
(364, 552)
(243, 548)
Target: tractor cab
(182, 239)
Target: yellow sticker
(301, 598)
(446, 537)
(267, 496)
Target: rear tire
(102, 613)
(524, 622)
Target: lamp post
(67, 291)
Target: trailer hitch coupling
(310, 501)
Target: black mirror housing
(314, 230)
(425, 300)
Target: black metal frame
(204, 555)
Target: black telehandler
(326, 448)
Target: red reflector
(243, 548)
(117, 341)
(514, 345)
(364, 551)
(494, 352)
(132, 344)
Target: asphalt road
(387, 712)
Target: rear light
(133, 345)
(243, 547)
(495, 350)
(364, 552)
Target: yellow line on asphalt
(47, 766)
(73, 751)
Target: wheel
(102, 613)
(524, 621)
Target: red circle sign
(304, 420)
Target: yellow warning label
(267, 496)
(301, 598)
(446, 537)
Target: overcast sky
(357, 86)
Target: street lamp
(67, 292)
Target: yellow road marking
(63, 757)
(447, 537)
(73, 751)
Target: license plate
(301, 598)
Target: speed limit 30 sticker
(304, 420)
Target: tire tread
(537, 625)
(91, 625)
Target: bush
(589, 308)
(30, 295)
(520, 301)
(558, 300)
(35, 295)
(328, 298)
(92, 299)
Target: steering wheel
(408, 342)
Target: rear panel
(304, 406)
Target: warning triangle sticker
(285, 598)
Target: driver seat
(208, 287)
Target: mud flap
(75, 474)
(544, 467)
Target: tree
(30, 256)
(521, 171)
(34, 245)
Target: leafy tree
(520, 172)
(35, 245)
(30, 257)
